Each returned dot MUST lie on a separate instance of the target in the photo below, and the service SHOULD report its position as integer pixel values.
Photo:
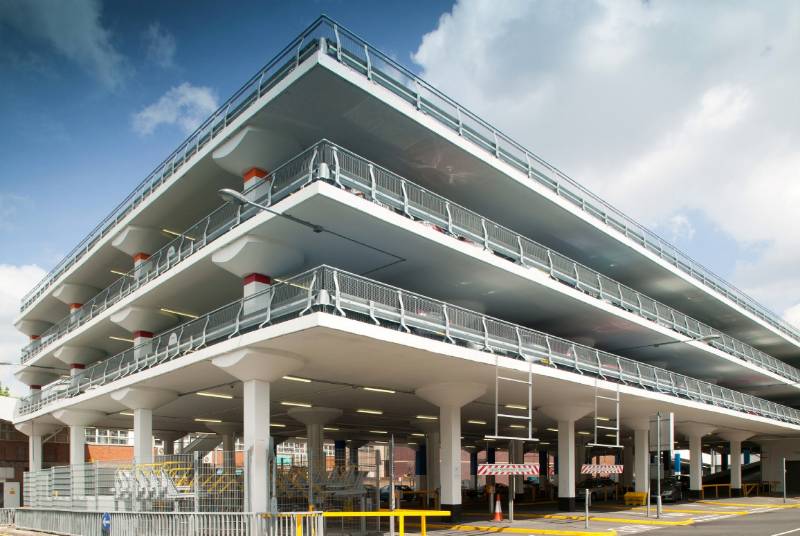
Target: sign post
(662, 434)
(509, 469)
(105, 524)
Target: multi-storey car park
(390, 256)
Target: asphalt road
(774, 523)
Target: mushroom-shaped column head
(143, 397)
(32, 328)
(256, 364)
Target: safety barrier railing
(73, 523)
(286, 179)
(7, 516)
(349, 49)
(345, 169)
(341, 293)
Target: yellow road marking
(751, 505)
(682, 510)
(526, 530)
(623, 520)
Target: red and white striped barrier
(496, 469)
(588, 469)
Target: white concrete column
(169, 438)
(695, 432)
(256, 369)
(74, 296)
(252, 258)
(432, 436)
(315, 419)
(566, 417)
(735, 438)
(228, 431)
(354, 445)
(641, 452)
(627, 462)
(35, 431)
(143, 400)
(256, 184)
(77, 420)
(450, 398)
(138, 242)
(142, 323)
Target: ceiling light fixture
(297, 379)
(552, 429)
(214, 395)
(378, 432)
(476, 421)
(516, 406)
(179, 313)
(126, 413)
(517, 426)
(277, 425)
(330, 428)
(121, 339)
(370, 411)
(428, 417)
(584, 433)
(417, 434)
(298, 404)
(380, 390)
(202, 419)
(177, 234)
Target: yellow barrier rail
(401, 516)
(715, 487)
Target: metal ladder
(609, 426)
(499, 414)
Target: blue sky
(683, 114)
(69, 149)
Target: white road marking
(787, 532)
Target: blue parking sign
(106, 523)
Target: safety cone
(498, 509)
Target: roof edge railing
(458, 118)
(370, 181)
(337, 292)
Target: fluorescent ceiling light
(544, 442)
(121, 339)
(584, 433)
(175, 233)
(214, 395)
(517, 426)
(552, 429)
(611, 435)
(427, 417)
(476, 421)
(330, 428)
(378, 432)
(201, 419)
(128, 413)
(417, 434)
(604, 419)
(297, 379)
(119, 272)
(516, 406)
(379, 390)
(179, 313)
(277, 425)
(370, 411)
(298, 404)
(411, 442)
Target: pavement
(754, 516)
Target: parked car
(599, 488)
(671, 490)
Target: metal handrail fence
(350, 50)
(330, 162)
(286, 179)
(341, 293)
(72, 523)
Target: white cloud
(663, 109)
(15, 281)
(74, 30)
(185, 106)
(792, 315)
(160, 45)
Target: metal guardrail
(286, 179)
(379, 185)
(337, 292)
(356, 53)
(73, 523)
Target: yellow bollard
(402, 524)
(423, 521)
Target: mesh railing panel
(338, 292)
